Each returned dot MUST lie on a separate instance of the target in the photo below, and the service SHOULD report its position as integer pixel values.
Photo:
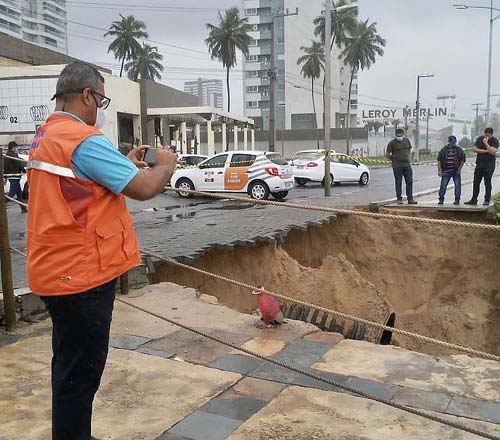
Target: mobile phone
(150, 156)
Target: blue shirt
(98, 160)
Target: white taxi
(257, 173)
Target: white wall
(37, 86)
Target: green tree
(495, 122)
(362, 48)
(127, 32)
(313, 63)
(146, 64)
(226, 39)
(343, 24)
(479, 126)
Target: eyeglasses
(105, 101)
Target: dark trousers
(407, 173)
(445, 179)
(80, 337)
(15, 189)
(482, 172)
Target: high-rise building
(41, 22)
(293, 93)
(208, 91)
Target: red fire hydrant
(268, 306)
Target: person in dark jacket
(486, 148)
(13, 170)
(451, 159)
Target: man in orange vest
(80, 237)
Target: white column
(176, 138)
(245, 138)
(210, 139)
(197, 134)
(235, 130)
(252, 135)
(224, 140)
(184, 137)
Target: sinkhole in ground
(439, 281)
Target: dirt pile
(440, 281)
(336, 284)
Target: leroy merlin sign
(396, 113)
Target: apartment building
(208, 91)
(293, 93)
(40, 22)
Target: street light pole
(327, 100)
(476, 131)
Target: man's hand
(485, 142)
(440, 173)
(167, 158)
(137, 156)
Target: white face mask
(101, 119)
(399, 138)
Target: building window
(281, 87)
(253, 42)
(252, 58)
(306, 117)
(252, 104)
(281, 40)
(50, 42)
(251, 11)
(255, 27)
(252, 73)
(253, 89)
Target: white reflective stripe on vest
(51, 168)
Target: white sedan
(311, 168)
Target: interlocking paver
(201, 425)
(237, 363)
(475, 409)
(429, 400)
(128, 342)
(234, 407)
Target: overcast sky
(422, 36)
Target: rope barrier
(16, 201)
(338, 314)
(422, 338)
(340, 211)
(318, 377)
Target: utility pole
(406, 121)
(9, 301)
(476, 125)
(417, 125)
(488, 102)
(272, 78)
(328, 102)
(427, 133)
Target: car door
(351, 169)
(236, 175)
(210, 174)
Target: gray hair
(78, 75)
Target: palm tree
(313, 62)
(225, 39)
(360, 53)
(343, 24)
(127, 31)
(146, 64)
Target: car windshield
(309, 157)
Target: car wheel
(259, 191)
(300, 182)
(280, 195)
(331, 181)
(364, 179)
(185, 184)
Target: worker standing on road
(80, 237)
(451, 159)
(486, 148)
(399, 153)
(13, 170)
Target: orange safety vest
(79, 234)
